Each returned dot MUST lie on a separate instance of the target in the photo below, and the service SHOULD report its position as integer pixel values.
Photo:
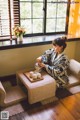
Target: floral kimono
(56, 66)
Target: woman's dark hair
(61, 41)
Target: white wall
(12, 60)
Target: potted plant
(19, 31)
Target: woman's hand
(39, 59)
(41, 64)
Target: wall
(12, 60)
(74, 19)
(77, 55)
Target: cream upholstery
(39, 90)
(42, 90)
(2, 94)
(11, 96)
(75, 67)
(74, 73)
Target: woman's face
(57, 48)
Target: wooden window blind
(9, 17)
(16, 12)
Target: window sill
(31, 41)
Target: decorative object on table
(19, 31)
(20, 38)
(33, 76)
(37, 68)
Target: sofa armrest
(2, 94)
(74, 67)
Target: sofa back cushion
(74, 67)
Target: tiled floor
(14, 109)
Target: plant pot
(20, 38)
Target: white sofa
(11, 96)
(74, 73)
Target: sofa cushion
(74, 67)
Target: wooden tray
(31, 79)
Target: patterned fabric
(56, 66)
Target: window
(43, 16)
(39, 17)
(56, 15)
(4, 18)
(32, 15)
(9, 16)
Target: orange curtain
(74, 19)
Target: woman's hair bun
(64, 38)
(61, 41)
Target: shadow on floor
(62, 93)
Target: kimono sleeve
(59, 69)
(46, 56)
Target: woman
(56, 62)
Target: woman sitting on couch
(55, 61)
